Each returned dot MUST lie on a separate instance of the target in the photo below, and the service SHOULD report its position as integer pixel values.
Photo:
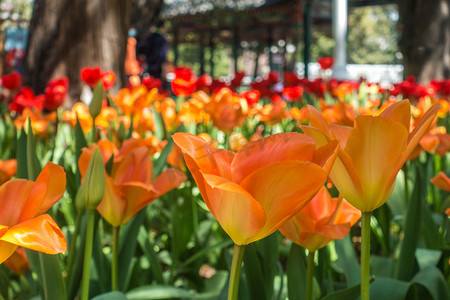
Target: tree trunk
(67, 35)
(425, 40)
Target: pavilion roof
(251, 20)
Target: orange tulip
(80, 111)
(372, 152)
(131, 186)
(227, 110)
(254, 191)
(41, 123)
(23, 223)
(441, 181)
(324, 219)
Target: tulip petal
(400, 112)
(375, 146)
(224, 158)
(341, 133)
(137, 196)
(41, 234)
(198, 150)
(282, 189)
(13, 201)
(6, 250)
(347, 214)
(168, 180)
(441, 181)
(325, 155)
(317, 121)
(278, 147)
(47, 190)
(112, 207)
(239, 214)
(320, 138)
(421, 128)
(136, 167)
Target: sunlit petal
(40, 234)
(275, 148)
(239, 214)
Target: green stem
(238, 255)
(73, 246)
(365, 255)
(115, 259)
(87, 255)
(310, 275)
(405, 173)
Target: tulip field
(321, 189)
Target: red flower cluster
(11, 81)
(54, 96)
(55, 93)
(91, 76)
(184, 83)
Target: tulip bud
(80, 205)
(93, 186)
(97, 101)
(121, 135)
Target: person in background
(153, 49)
(132, 66)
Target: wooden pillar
(307, 22)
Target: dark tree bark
(67, 35)
(425, 39)
(145, 14)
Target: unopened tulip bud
(121, 135)
(93, 186)
(97, 101)
(80, 205)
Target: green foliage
(372, 35)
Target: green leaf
(213, 286)
(150, 292)
(80, 139)
(147, 247)
(429, 228)
(22, 169)
(296, 272)
(160, 126)
(111, 296)
(434, 282)
(350, 293)
(427, 257)
(268, 248)
(203, 252)
(254, 273)
(381, 266)
(405, 265)
(347, 262)
(161, 161)
(33, 165)
(128, 243)
(96, 104)
(53, 283)
(388, 288)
